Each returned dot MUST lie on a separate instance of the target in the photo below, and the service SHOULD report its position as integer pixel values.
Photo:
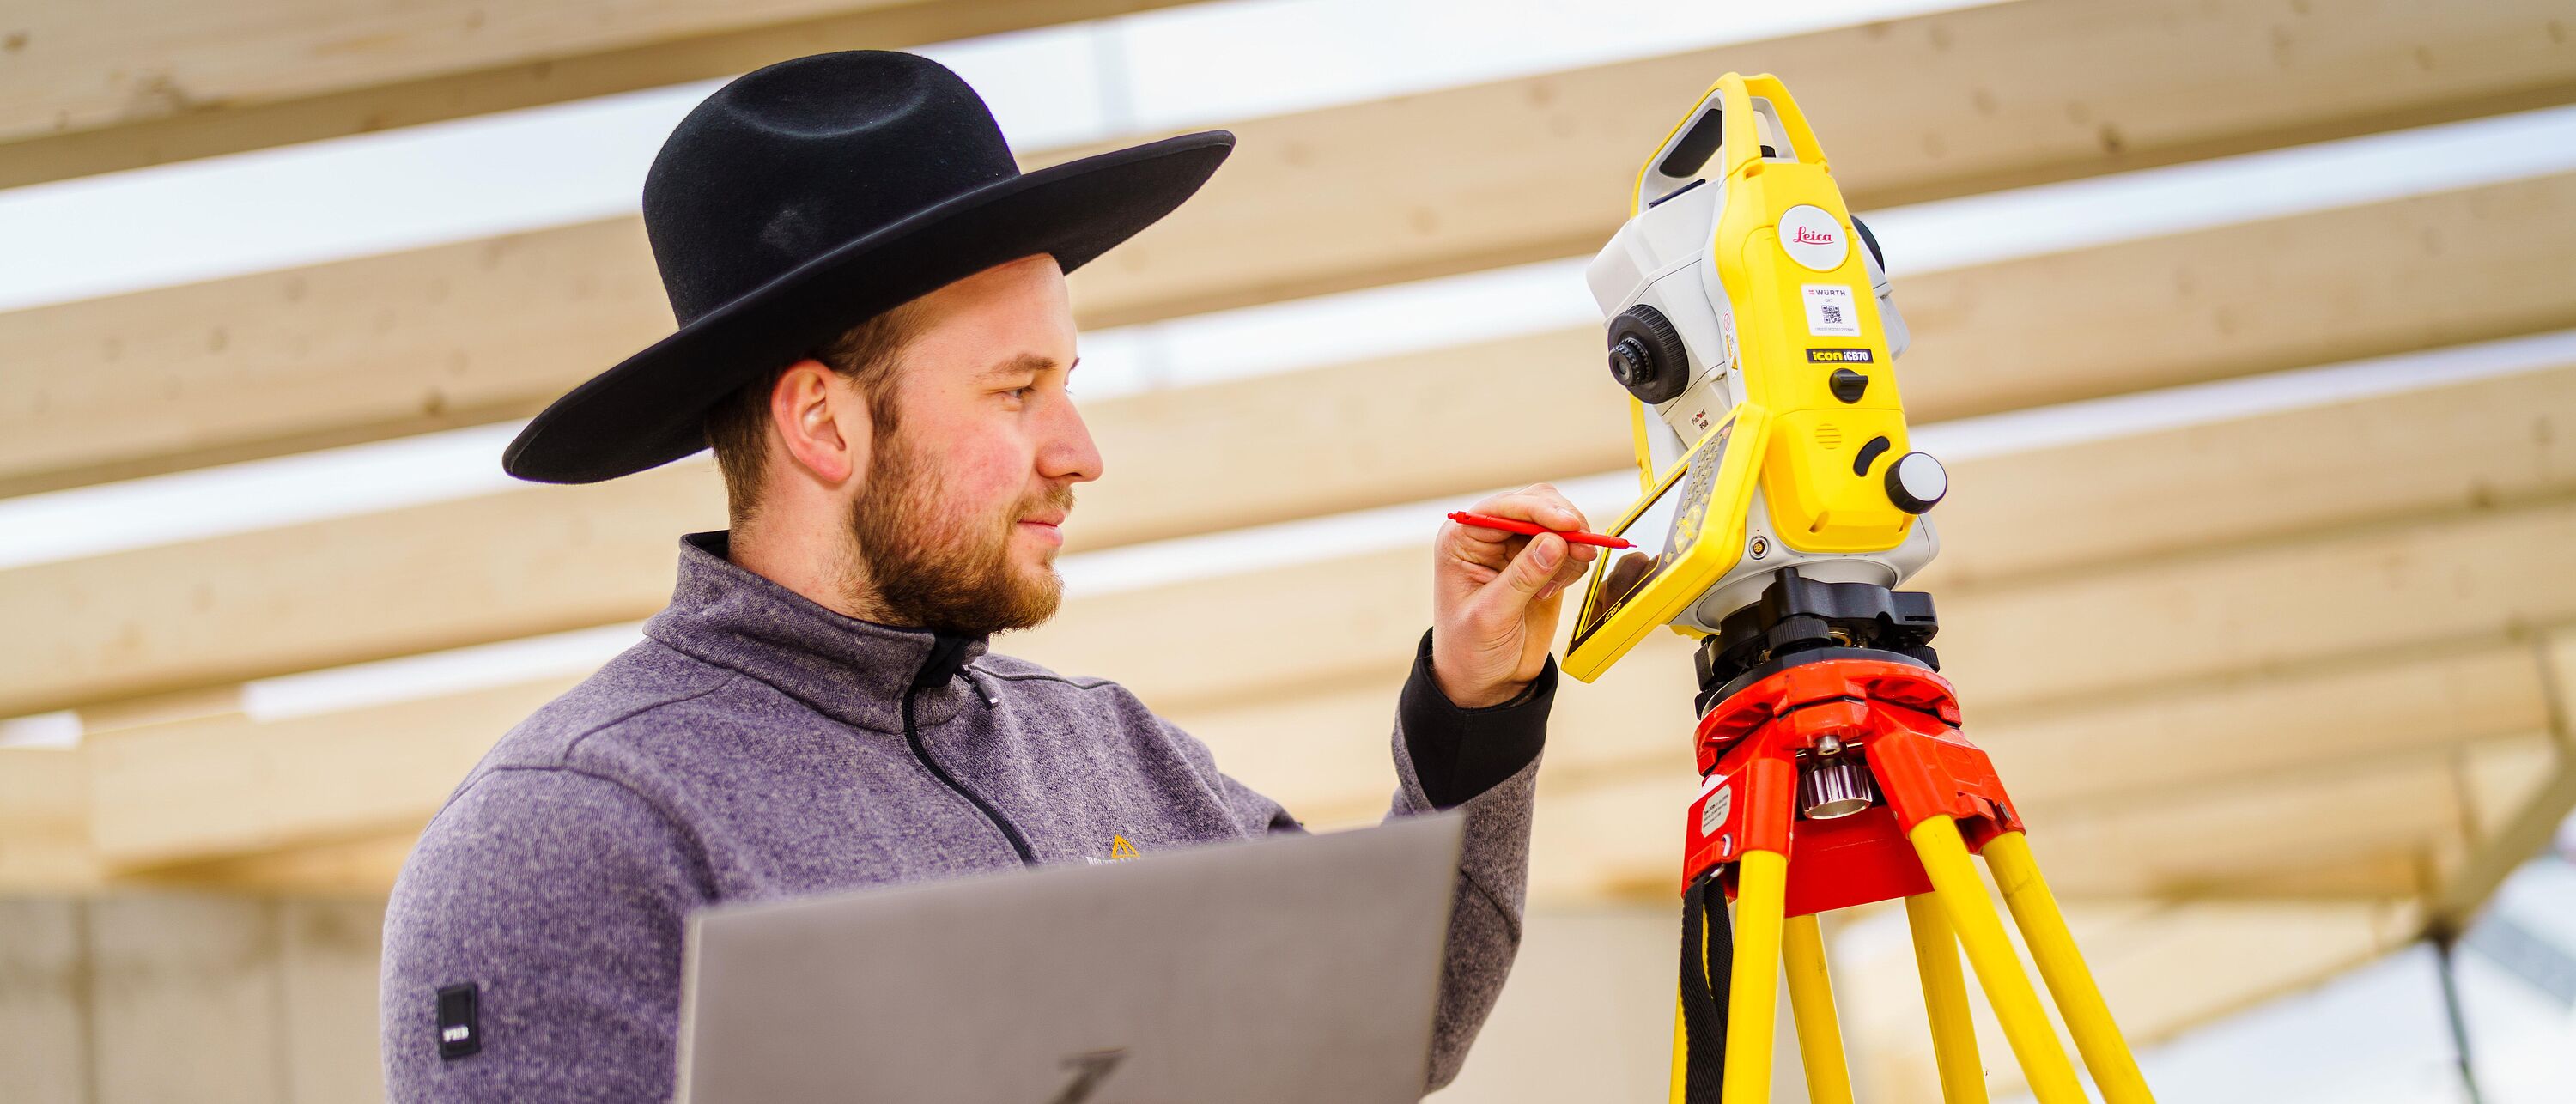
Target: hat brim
(649, 410)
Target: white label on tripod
(1712, 816)
(1830, 312)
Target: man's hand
(1495, 596)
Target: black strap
(1708, 961)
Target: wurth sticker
(1830, 312)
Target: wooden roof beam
(2274, 703)
(90, 90)
(541, 559)
(1367, 194)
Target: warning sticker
(1829, 311)
(1712, 816)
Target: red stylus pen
(1528, 529)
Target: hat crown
(788, 162)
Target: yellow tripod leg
(1981, 933)
(1945, 1002)
(1811, 1005)
(1681, 1050)
(1761, 887)
(2079, 1001)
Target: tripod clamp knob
(1831, 787)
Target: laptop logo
(1089, 1070)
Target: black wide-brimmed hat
(806, 197)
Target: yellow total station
(1750, 322)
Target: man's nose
(1066, 451)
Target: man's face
(978, 448)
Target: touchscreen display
(1663, 531)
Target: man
(875, 339)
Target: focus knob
(1647, 356)
(1916, 482)
(1632, 363)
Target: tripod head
(1757, 346)
(1797, 618)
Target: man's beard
(965, 585)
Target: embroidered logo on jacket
(1119, 851)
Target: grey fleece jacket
(757, 746)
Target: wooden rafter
(2441, 621)
(1366, 194)
(2163, 967)
(91, 89)
(541, 559)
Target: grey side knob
(1916, 482)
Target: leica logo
(1813, 237)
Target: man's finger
(1574, 568)
(1545, 506)
(1530, 572)
(1569, 574)
(1492, 555)
(1550, 511)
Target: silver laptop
(1278, 970)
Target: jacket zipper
(912, 739)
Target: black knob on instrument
(1916, 482)
(1631, 363)
(1647, 356)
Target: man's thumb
(1536, 564)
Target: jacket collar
(851, 670)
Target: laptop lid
(1294, 968)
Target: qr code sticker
(1829, 311)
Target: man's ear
(821, 419)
